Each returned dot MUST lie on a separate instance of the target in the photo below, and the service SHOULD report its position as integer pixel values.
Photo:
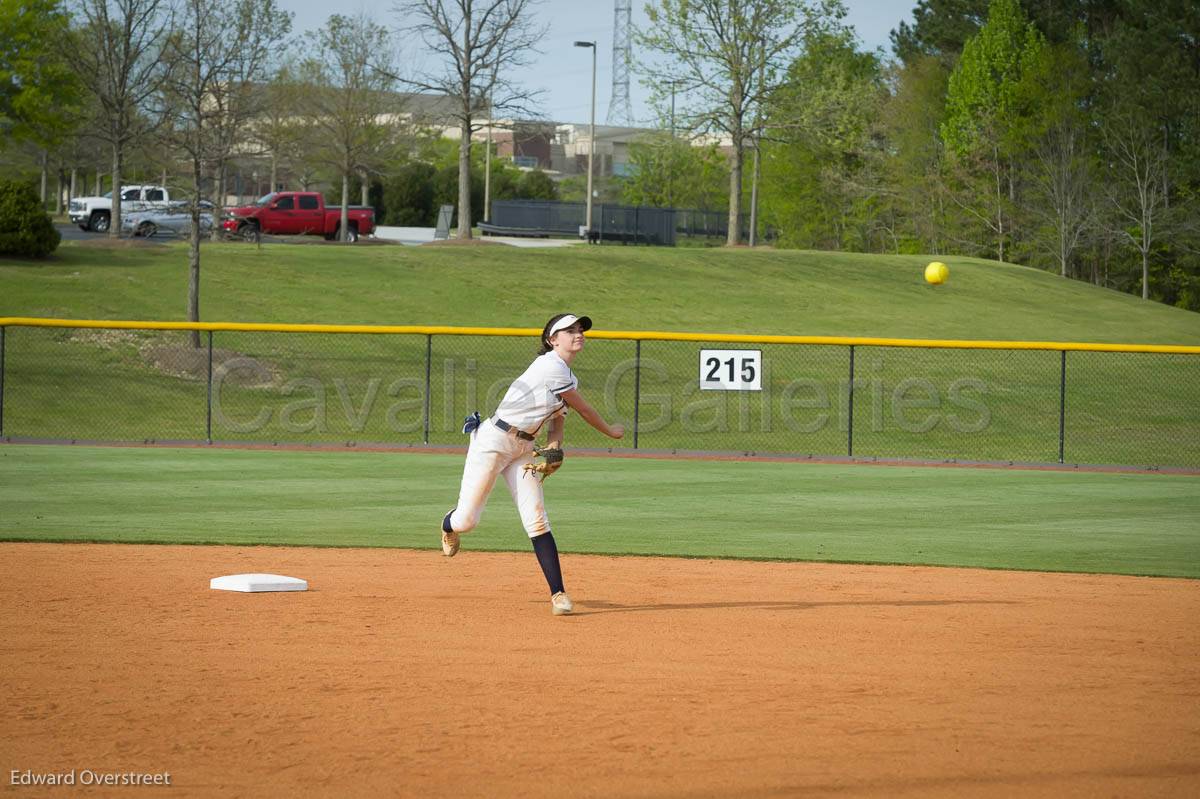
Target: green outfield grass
(1059, 521)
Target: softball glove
(552, 461)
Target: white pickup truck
(95, 213)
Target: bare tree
(277, 129)
(219, 48)
(1138, 163)
(1062, 181)
(977, 184)
(197, 46)
(727, 57)
(117, 52)
(83, 151)
(480, 43)
(350, 80)
(253, 31)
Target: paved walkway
(421, 235)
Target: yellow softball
(937, 273)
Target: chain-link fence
(771, 395)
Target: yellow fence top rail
(619, 335)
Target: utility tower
(619, 110)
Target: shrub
(445, 191)
(537, 185)
(25, 227)
(408, 196)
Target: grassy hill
(729, 291)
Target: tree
(506, 180)
(1063, 181)
(81, 150)
(939, 29)
(117, 52)
(408, 195)
(39, 94)
(1148, 109)
(447, 189)
(1126, 61)
(911, 119)
(823, 154)
(535, 185)
(1137, 185)
(277, 129)
(253, 31)
(350, 80)
(219, 48)
(429, 178)
(669, 172)
(1060, 172)
(727, 57)
(985, 107)
(480, 44)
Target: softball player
(504, 445)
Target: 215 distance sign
(731, 370)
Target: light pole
(671, 153)
(757, 153)
(487, 163)
(592, 137)
(674, 84)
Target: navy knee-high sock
(446, 528)
(547, 555)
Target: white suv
(95, 213)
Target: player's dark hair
(545, 342)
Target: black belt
(506, 427)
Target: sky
(564, 71)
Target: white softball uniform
(534, 398)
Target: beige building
(562, 149)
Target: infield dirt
(402, 673)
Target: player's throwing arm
(504, 444)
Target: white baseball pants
(494, 452)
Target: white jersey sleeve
(536, 395)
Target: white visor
(567, 321)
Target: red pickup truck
(298, 213)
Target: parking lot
(410, 236)
(72, 232)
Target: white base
(253, 583)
